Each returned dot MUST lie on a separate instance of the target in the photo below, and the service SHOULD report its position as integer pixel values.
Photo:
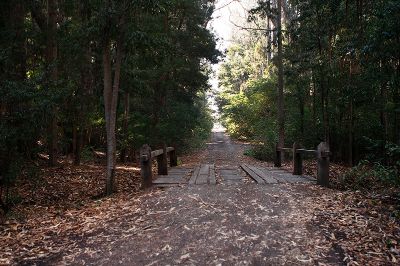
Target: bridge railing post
(173, 160)
(297, 160)
(145, 166)
(278, 156)
(323, 164)
(162, 162)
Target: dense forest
(311, 71)
(112, 150)
(79, 76)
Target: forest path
(239, 223)
(223, 151)
(223, 162)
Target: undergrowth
(369, 175)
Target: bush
(367, 175)
(261, 152)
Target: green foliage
(87, 154)
(341, 66)
(51, 87)
(368, 175)
(263, 152)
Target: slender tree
(281, 111)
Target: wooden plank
(156, 153)
(178, 171)
(314, 152)
(169, 180)
(233, 182)
(204, 169)
(232, 177)
(253, 175)
(195, 173)
(213, 180)
(178, 176)
(273, 168)
(277, 171)
(287, 177)
(267, 178)
(275, 175)
(309, 179)
(173, 169)
(167, 185)
(204, 173)
(169, 149)
(228, 172)
(202, 179)
(231, 174)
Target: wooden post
(323, 164)
(162, 162)
(297, 160)
(173, 160)
(278, 156)
(145, 166)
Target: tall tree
(111, 80)
(281, 110)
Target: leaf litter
(63, 222)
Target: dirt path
(230, 223)
(222, 151)
(241, 224)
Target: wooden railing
(146, 160)
(321, 153)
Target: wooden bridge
(211, 175)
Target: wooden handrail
(146, 160)
(322, 154)
(161, 151)
(306, 151)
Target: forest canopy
(78, 76)
(340, 63)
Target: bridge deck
(206, 174)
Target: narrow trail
(222, 151)
(227, 224)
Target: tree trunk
(281, 112)
(51, 60)
(108, 92)
(17, 16)
(85, 93)
(314, 102)
(125, 128)
(301, 110)
(110, 105)
(74, 138)
(269, 41)
(78, 146)
(351, 134)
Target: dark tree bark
(125, 127)
(110, 92)
(351, 134)
(51, 61)
(281, 111)
(85, 92)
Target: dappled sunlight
(218, 127)
(127, 168)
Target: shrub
(367, 175)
